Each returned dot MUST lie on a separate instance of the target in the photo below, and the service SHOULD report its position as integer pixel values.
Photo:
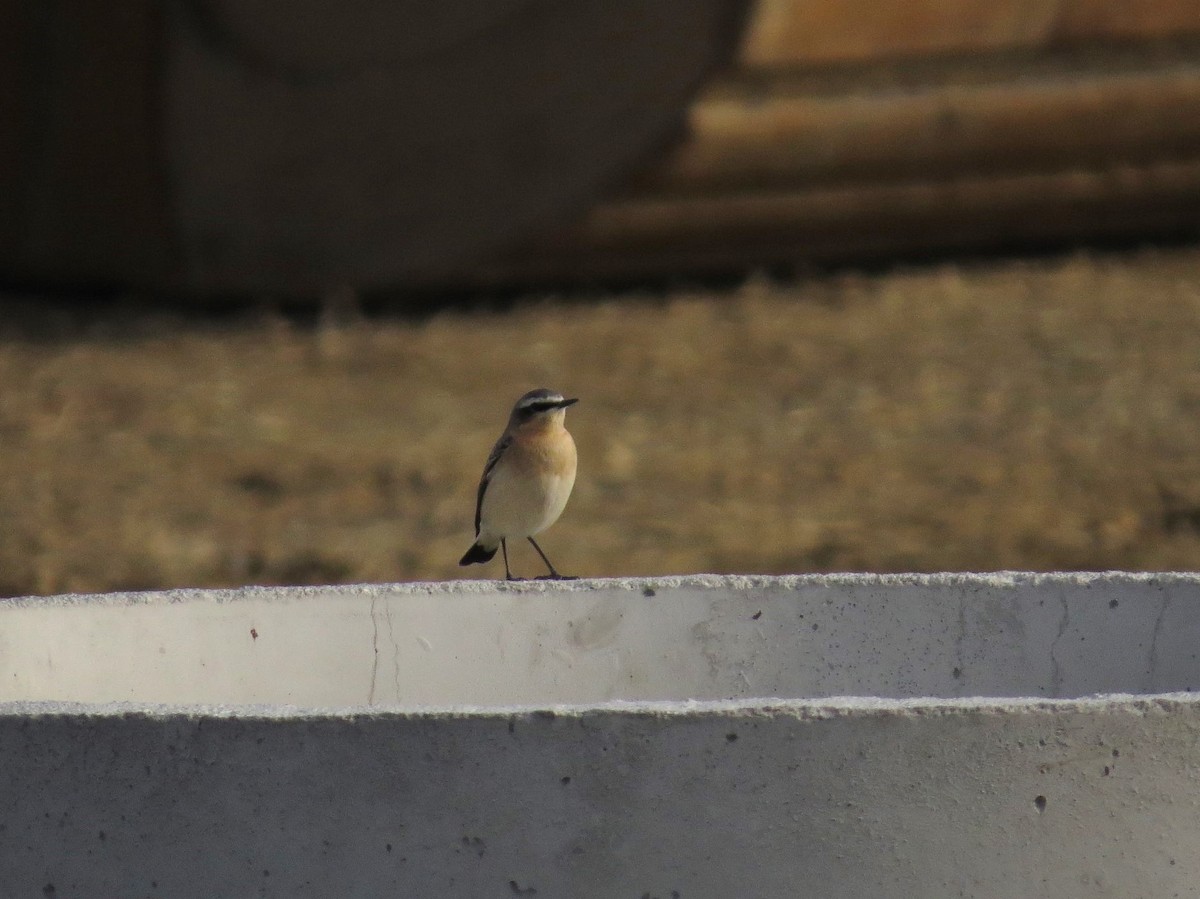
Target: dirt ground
(1016, 414)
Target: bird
(526, 481)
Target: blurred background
(881, 285)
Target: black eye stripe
(540, 406)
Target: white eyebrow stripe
(547, 401)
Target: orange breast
(546, 452)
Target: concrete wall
(834, 736)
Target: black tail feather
(477, 553)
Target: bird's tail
(478, 553)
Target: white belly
(520, 505)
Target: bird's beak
(570, 402)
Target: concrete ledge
(849, 736)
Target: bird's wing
(497, 451)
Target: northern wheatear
(527, 478)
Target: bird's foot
(557, 577)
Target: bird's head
(540, 408)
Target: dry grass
(1021, 415)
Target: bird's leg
(507, 574)
(553, 575)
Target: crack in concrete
(959, 658)
(1055, 666)
(387, 611)
(1154, 634)
(375, 649)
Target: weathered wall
(590, 739)
(484, 644)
